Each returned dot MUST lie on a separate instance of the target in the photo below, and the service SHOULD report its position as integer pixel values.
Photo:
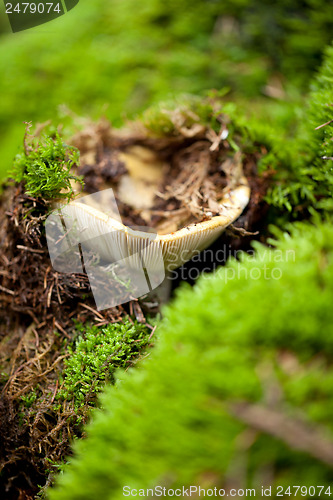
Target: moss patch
(94, 357)
(304, 162)
(45, 167)
(238, 392)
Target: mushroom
(144, 174)
(123, 262)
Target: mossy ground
(289, 179)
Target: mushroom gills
(113, 241)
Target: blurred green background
(117, 57)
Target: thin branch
(323, 124)
(295, 433)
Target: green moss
(304, 163)
(259, 331)
(45, 168)
(95, 355)
(321, 141)
(30, 398)
(299, 147)
(185, 111)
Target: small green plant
(45, 167)
(95, 356)
(30, 398)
